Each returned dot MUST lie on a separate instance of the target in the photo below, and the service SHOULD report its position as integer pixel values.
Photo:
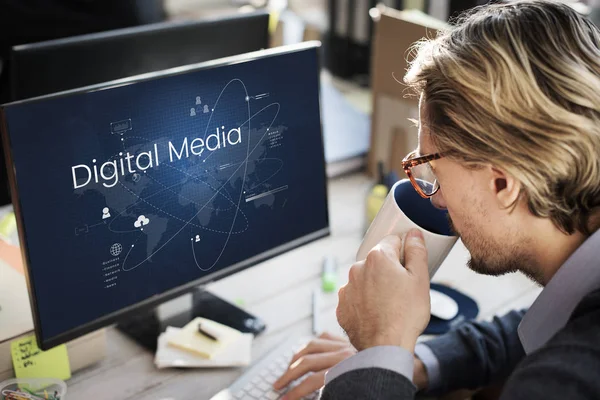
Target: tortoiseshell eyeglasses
(421, 174)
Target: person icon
(192, 112)
(105, 213)
(197, 238)
(206, 109)
(198, 100)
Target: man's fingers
(389, 246)
(310, 363)
(319, 346)
(355, 272)
(415, 253)
(311, 384)
(330, 336)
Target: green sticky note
(240, 302)
(31, 362)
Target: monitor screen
(131, 194)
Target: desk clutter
(203, 343)
(33, 389)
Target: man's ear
(504, 187)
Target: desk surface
(281, 294)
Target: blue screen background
(94, 250)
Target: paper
(15, 311)
(190, 340)
(345, 129)
(11, 255)
(31, 362)
(237, 354)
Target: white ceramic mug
(403, 210)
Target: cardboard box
(392, 134)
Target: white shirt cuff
(431, 363)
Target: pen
(207, 332)
(316, 305)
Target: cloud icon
(141, 221)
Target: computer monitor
(132, 193)
(63, 64)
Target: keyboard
(257, 382)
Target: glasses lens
(425, 178)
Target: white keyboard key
(272, 395)
(270, 379)
(257, 383)
(263, 386)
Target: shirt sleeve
(393, 358)
(474, 354)
(432, 365)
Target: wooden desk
(279, 291)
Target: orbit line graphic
(218, 190)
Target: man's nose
(438, 200)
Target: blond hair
(517, 86)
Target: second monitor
(57, 65)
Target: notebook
(237, 354)
(189, 339)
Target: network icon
(116, 249)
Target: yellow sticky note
(31, 362)
(8, 224)
(273, 21)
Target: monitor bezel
(153, 301)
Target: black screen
(64, 64)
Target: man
(510, 111)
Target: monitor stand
(145, 327)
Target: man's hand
(420, 377)
(317, 357)
(385, 303)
